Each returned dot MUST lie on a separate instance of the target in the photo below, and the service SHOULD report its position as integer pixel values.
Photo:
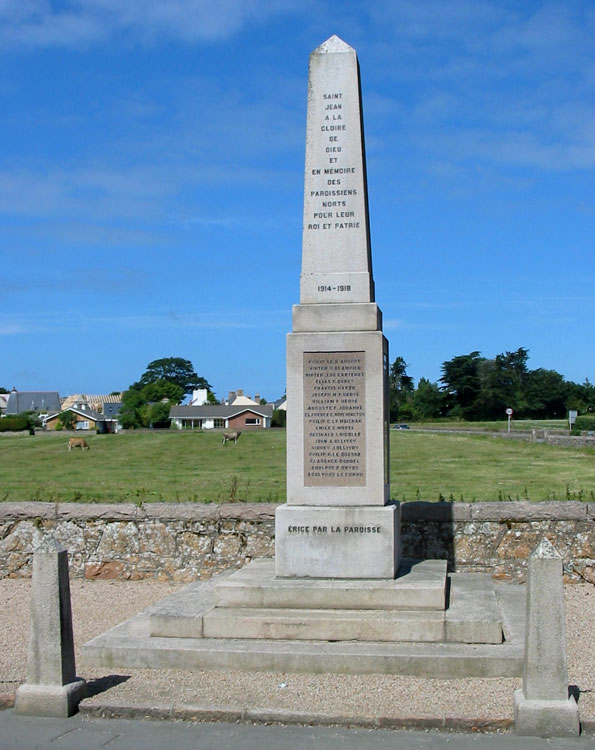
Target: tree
(67, 419)
(581, 397)
(130, 413)
(503, 384)
(427, 402)
(158, 414)
(547, 394)
(462, 384)
(161, 389)
(174, 369)
(400, 387)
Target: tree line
(474, 388)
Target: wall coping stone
(441, 511)
(23, 511)
(522, 510)
(180, 511)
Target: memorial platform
(248, 620)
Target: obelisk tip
(333, 45)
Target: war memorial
(338, 596)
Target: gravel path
(99, 605)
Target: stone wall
(182, 542)
(584, 440)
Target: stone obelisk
(336, 523)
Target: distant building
(39, 401)
(85, 419)
(237, 398)
(222, 416)
(101, 403)
(200, 397)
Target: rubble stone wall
(184, 542)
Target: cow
(230, 436)
(78, 443)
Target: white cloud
(77, 23)
(64, 320)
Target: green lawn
(174, 466)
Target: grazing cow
(230, 436)
(78, 443)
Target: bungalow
(85, 419)
(213, 416)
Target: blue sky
(151, 183)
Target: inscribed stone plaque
(334, 419)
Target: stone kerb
(187, 541)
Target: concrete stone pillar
(52, 687)
(542, 707)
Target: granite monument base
(251, 620)
(335, 542)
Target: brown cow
(78, 443)
(230, 436)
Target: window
(252, 420)
(218, 423)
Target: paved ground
(28, 733)
(364, 700)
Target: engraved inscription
(334, 203)
(334, 419)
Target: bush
(583, 424)
(14, 424)
(279, 418)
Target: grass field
(169, 466)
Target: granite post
(52, 688)
(337, 522)
(542, 707)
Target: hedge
(14, 424)
(583, 424)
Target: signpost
(572, 415)
(509, 413)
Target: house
(39, 401)
(236, 398)
(86, 419)
(222, 416)
(3, 403)
(101, 403)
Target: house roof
(244, 401)
(88, 412)
(219, 411)
(78, 398)
(20, 401)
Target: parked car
(400, 427)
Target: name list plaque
(334, 419)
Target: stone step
(139, 643)
(473, 614)
(324, 625)
(119, 648)
(420, 585)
